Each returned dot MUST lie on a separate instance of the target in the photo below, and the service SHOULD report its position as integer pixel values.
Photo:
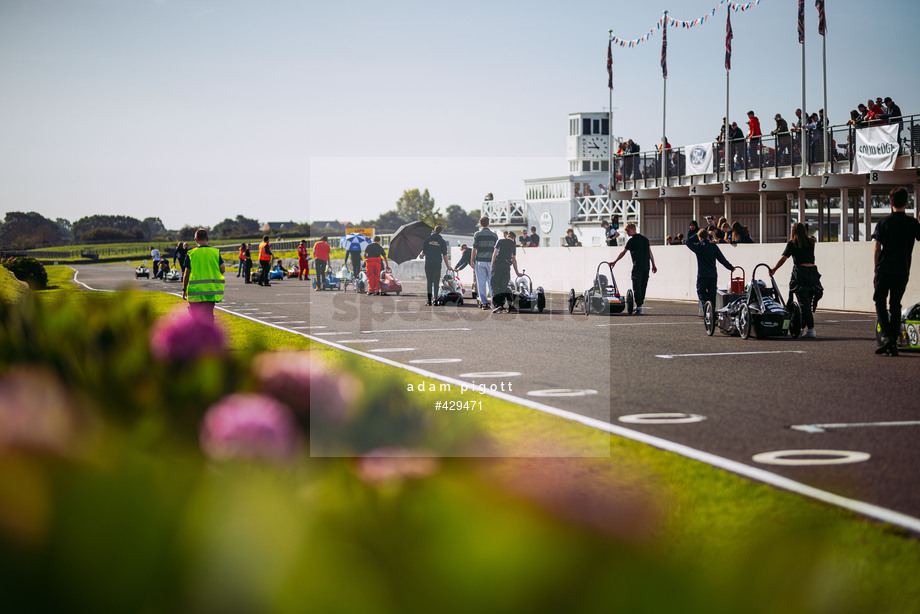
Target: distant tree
(153, 227)
(241, 227)
(459, 221)
(112, 234)
(65, 229)
(187, 233)
(28, 230)
(413, 205)
(120, 222)
(388, 222)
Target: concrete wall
(846, 270)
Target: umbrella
(407, 242)
(354, 242)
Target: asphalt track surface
(726, 397)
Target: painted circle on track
(487, 374)
(382, 350)
(561, 392)
(661, 418)
(825, 457)
(434, 361)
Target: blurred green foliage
(29, 270)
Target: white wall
(847, 270)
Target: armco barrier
(847, 270)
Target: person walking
(247, 263)
(321, 251)
(303, 260)
(203, 277)
(707, 275)
(503, 258)
(373, 265)
(640, 250)
(242, 259)
(483, 245)
(155, 257)
(894, 243)
(354, 250)
(265, 260)
(434, 250)
(805, 282)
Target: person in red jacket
(303, 257)
(754, 135)
(321, 260)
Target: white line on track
(730, 353)
(411, 330)
(328, 334)
(307, 327)
(647, 324)
(387, 350)
(820, 428)
(753, 473)
(359, 340)
(836, 321)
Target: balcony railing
(504, 211)
(776, 156)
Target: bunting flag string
(677, 23)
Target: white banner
(699, 159)
(876, 149)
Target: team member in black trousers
(434, 250)
(894, 241)
(706, 255)
(638, 246)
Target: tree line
(20, 231)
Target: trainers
(512, 309)
(883, 346)
(638, 310)
(893, 348)
(498, 310)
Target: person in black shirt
(373, 266)
(805, 282)
(503, 258)
(465, 255)
(638, 247)
(706, 255)
(894, 242)
(434, 250)
(534, 238)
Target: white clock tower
(588, 143)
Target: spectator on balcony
(736, 138)
(753, 136)
(783, 139)
(863, 116)
(534, 238)
(876, 112)
(852, 124)
(524, 238)
(488, 196)
(570, 239)
(577, 192)
(893, 115)
(710, 223)
(632, 159)
(740, 234)
(588, 190)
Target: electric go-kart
(603, 297)
(172, 275)
(389, 283)
(141, 271)
(909, 339)
(524, 297)
(346, 277)
(451, 290)
(329, 282)
(761, 310)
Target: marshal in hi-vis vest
(206, 282)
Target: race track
(844, 421)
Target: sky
(194, 111)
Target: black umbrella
(407, 242)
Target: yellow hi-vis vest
(206, 282)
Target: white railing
(548, 190)
(597, 208)
(504, 211)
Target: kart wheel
(541, 302)
(571, 300)
(630, 302)
(795, 324)
(744, 322)
(709, 318)
(589, 295)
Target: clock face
(593, 147)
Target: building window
(586, 166)
(595, 166)
(605, 126)
(585, 126)
(605, 165)
(597, 126)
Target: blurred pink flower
(183, 336)
(383, 465)
(304, 382)
(249, 426)
(36, 411)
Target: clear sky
(198, 110)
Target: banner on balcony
(876, 149)
(699, 159)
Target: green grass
(740, 535)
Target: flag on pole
(728, 40)
(822, 24)
(609, 66)
(664, 51)
(802, 22)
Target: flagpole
(664, 105)
(826, 123)
(804, 148)
(610, 114)
(727, 158)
